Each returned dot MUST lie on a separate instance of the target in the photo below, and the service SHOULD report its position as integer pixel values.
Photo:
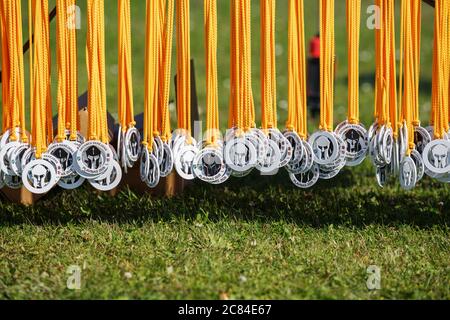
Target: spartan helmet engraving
(93, 157)
(269, 156)
(306, 177)
(39, 174)
(134, 143)
(407, 173)
(210, 164)
(353, 144)
(152, 173)
(418, 140)
(323, 145)
(240, 154)
(63, 157)
(440, 156)
(186, 161)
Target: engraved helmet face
(352, 139)
(323, 145)
(240, 153)
(440, 154)
(93, 157)
(39, 174)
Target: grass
(256, 237)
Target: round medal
(111, 182)
(408, 173)
(436, 156)
(153, 175)
(184, 161)
(39, 176)
(325, 147)
(307, 179)
(93, 159)
(64, 152)
(240, 154)
(208, 165)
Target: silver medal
(111, 182)
(325, 147)
(436, 156)
(184, 161)
(240, 154)
(307, 179)
(408, 173)
(39, 176)
(355, 138)
(209, 165)
(64, 152)
(93, 159)
(153, 174)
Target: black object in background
(313, 76)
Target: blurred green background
(367, 57)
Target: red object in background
(313, 76)
(314, 47)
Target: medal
(383, 135)
(353, 133)
(39, 176)
(306, 179)
(42, 171)
(111, 181)
(436, 154)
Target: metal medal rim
(308, 160)
(8, 182)
(339, 127)
(63, 182)
(6, 135)
(196, 168)
(96, 183)
(372, 131)
(184, 150)
(251, 150)
(426, 137)
(153, 184)
(167, 151)
(332, 138)
(160, 149)
(260, 142)
(69, 148)
(388, 135)
(381, 183)
(311, 183)
(49, 166)
(86, 172)
(226, 175)
(120, 140)
(355, 158)
(428, 148)
(4, 155)
(415, 155)
(16, 160)
(55, 162)
(411, 162)
(126, 144)
(27, 156)
(297, 154)
(144, 166)
(283, 144)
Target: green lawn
(257, 237)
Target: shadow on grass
(352, 200)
